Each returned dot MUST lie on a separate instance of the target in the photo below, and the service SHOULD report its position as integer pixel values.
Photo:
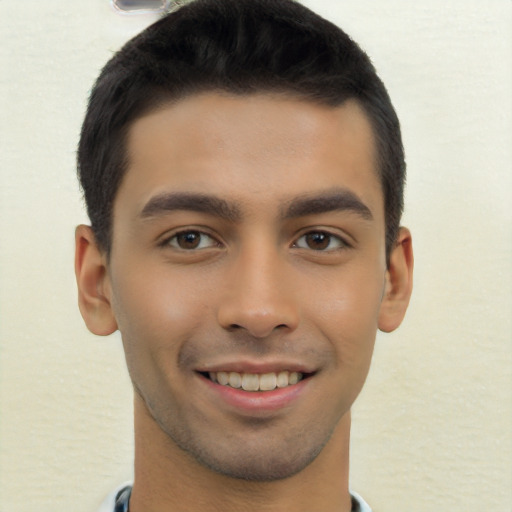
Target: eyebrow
(332, 200)
(162, 204)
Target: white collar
(109, 503)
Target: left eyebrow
(332, 200)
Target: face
(247, 273)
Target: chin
(261, 468)
(259, 461)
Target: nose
(259, 296)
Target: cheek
(348, 317)
(157, 312)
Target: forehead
(260, 146)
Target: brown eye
(190, 240)
(320, 241)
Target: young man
(243, 171)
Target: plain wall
(432, 429)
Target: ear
(398, 286)
(94, 290)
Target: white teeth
(222, 378)
(282, 379)
(293, 378)
(250, 382)
(268, 381)
(235, 380)
(256, 382)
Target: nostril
(258, 317)
(257, 329)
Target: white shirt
(110, 501)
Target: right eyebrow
(162, 204)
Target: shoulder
(109, 503)
(358, 504)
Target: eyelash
(321, 236)
(339, 241)
(189, 232)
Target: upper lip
(259, 367)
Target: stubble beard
(268, 457)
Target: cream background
(432, 430)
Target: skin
(276, 281)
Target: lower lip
(256, 401)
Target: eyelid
(165, 240)
(342, 239)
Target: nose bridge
(258, 296)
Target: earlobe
(94, 293)
(398, 283)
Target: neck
(168, 479)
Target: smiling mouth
(256, 381)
